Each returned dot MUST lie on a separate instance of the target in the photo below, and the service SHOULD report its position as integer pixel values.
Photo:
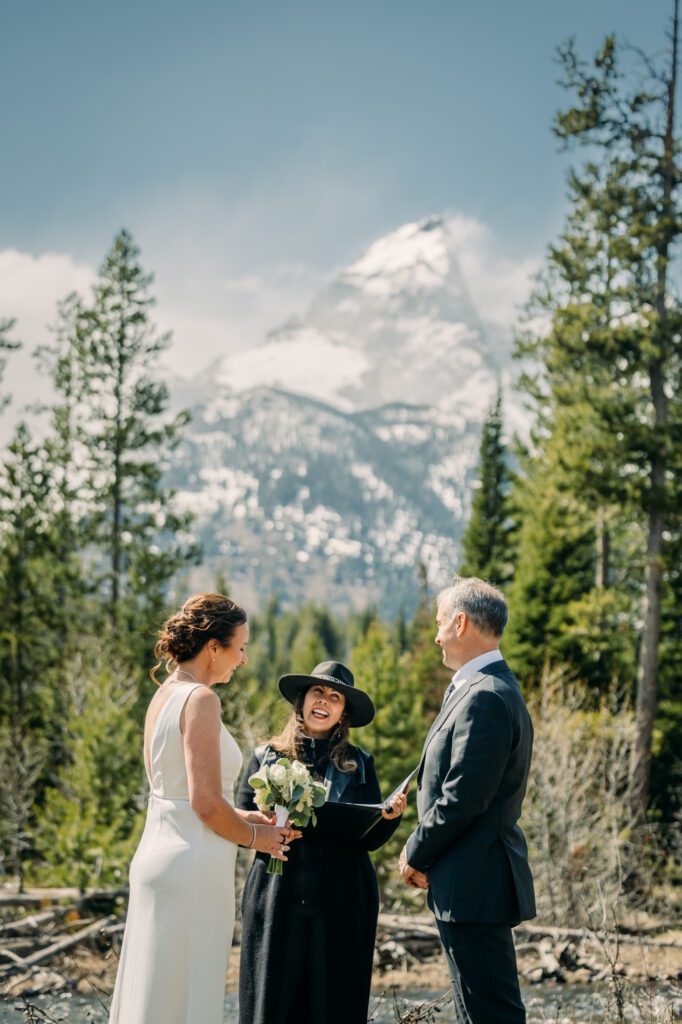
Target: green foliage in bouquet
(291, 786)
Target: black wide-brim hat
(332, 673)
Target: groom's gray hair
(485, 605)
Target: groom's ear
(461, 622)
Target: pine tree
(22, 760)
(6, 345)
(27, 594)
(90, 819)
(308, 648)
(610, 365)
(127, 432)
(558, 615)
(396, 733)
(399, 632)
(33, 639)
(486, 545)
(67, 456)
(425, 659)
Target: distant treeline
(581, 525)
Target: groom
(468, 850)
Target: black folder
(350, 822)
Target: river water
(544, 1004)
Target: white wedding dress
(181, 909)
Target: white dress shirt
(470, 668)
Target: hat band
(331, 679)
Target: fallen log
(424, 925)
(33, 922)
(12, 956)
(540, 931)
(549, 961)
(421, 925)
(24, 945)
(30, 897)
(37, 896)
(56, 948)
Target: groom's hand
(410, 875)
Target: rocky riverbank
(89, 969)
(59, 941)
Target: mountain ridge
(332, 459)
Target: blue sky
(253, 147)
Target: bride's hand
(274, 839)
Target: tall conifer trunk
(116, 490)
(608, 391)
(647, 674)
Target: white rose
(278, 774)
(299, 773)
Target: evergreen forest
(580, 523)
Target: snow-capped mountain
(331, 459)
(396, 326)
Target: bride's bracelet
(249, 846)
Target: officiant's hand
(397, 806)
(414, 878)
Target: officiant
(308, 934)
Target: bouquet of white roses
(290, 790)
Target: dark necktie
(448, 693)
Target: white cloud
(209, 312)
(498, 284)
(230, 268)
(212, 313)
(215, 308)
(244, 285)
(30, 288)
(309, 363)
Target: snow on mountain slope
(329, 461)
(396, 326)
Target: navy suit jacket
(471, 783)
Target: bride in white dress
(181, 909)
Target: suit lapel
(444, 714)
(495, 668)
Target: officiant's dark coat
(328, 890)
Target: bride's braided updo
(203, 617)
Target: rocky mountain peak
(397, 325)
(330, 460)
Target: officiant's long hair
(289, 741)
